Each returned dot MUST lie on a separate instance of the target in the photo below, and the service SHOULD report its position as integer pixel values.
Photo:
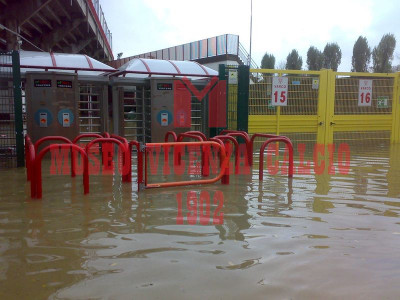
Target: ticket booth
(52, 104)
(150, 98)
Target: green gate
(11, 113)
(237, 95)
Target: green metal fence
(11, 113)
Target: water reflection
(315, 235)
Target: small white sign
(315, 84)
(164, 119)
(233, 77)
(365, 92)
(279, 91)
(43, 119)
(66, 120)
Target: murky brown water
(326, 237)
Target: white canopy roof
(74, 63)
(141, 67)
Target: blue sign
(40, 119)
(61, 113)
(164, 117)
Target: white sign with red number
(279, 91)
(365, 92)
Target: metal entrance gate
(347, 122)
(137, 113)
(11, 113)
(325, 107)
(93, 108)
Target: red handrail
(173, 135)
(225, 178)
(125, 167)
(256, 135)
(106, 134)
(265, 144)
(199, 133)
(194, 182)
(38, 167)
(236, 144)
(246, 138)
(139, 162)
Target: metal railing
(100, 14)
(215, 46)
(245, 57)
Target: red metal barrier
(58, 139)
(181, 136)
(265, 144)
(86, 135)
(236, 144)
(106, 134)
(38, 167)
(173, 136)
(125, 159)
(139, 162)
(178, 156)
(75, 141)
(226, 131)
(51, 138)
(225, 178)
(199, 133)
(28, 159)
(247, 140)
(194, 182)
(265, 135)
(31, 167)
(125, 167)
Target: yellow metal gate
(323, 106)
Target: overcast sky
(140, 26)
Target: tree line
(331, 57)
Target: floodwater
(315, 237)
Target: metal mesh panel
(359, 141)
(346, 96)
(137, 114)
(8, 157)
(307, 138)
(302, 97)
(89, 109)
(212, 46)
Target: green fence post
(221, 76)
(19, 127)
(243, 98)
